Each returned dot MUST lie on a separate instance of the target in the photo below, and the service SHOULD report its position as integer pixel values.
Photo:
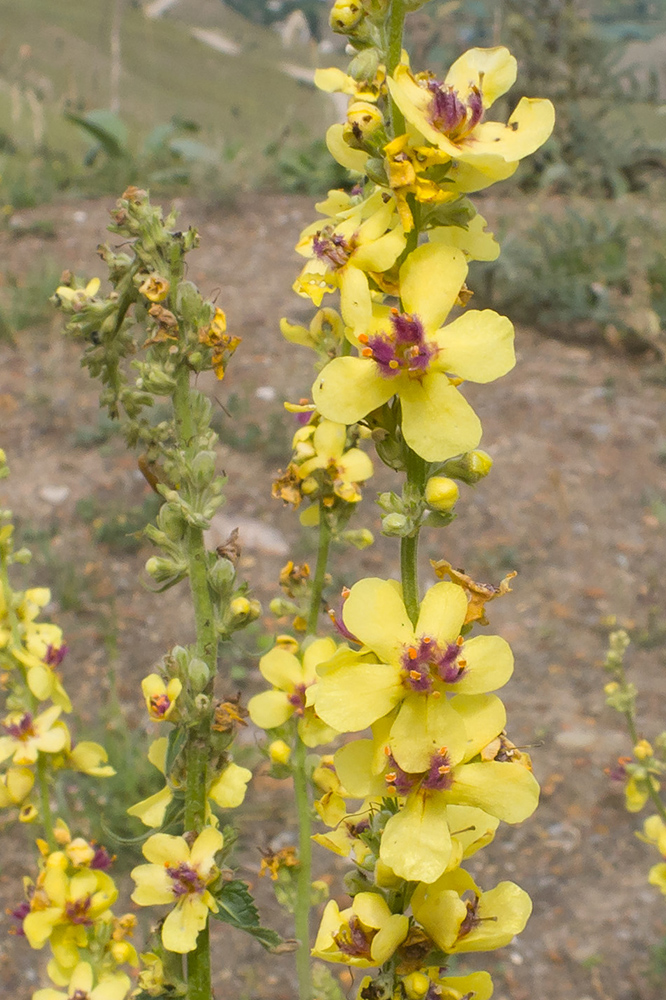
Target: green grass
(242, 99)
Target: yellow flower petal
(430, 281)
(442, 613)
(484, 716)
(437, 421)
(182, 926)
(423, 726)
(416, 842)
(165, 849)
(491, 71)
(375, 613)
(478, 346)
(270, 709)
(349, 388)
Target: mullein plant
(146, 338)
(642, 772)
(68, 901)
(430, 771)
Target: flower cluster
(431, 772)
(641, 773)
(68, 904)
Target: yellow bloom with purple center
(408, 353)
(418, 841)
(82, 986)
(450, 115)
(160, 697)
(459, 917)
(341, 251)
(291, 677)
(179, 874)
(412, 666)
(345, 467)
(26, 736)
(365, 934)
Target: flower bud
(279, 752)
(157, 381)
(203, 469)
(363, 120)
(365, 64)
(198, 673)
(243, 611)
(171, 521)
(345, 15)
(643, 749)
(309, 486)
(441, 493)
(416, 985)
(221, 575)
(395, 524)
(162, 570)
(470, 468)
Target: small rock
(55, 495)
(266, 393)
(253, 534)
(80, 216)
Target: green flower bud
(221, 575)
(363, 120)
(199, 674)
(157, 381)
(364, 66)
(189, 304)
(162, 570)
(203, 469)
(470, 468)
(22, 557)
(279, 607)
(441, 493)
(243, 611)
(396, 524)
(171, 521)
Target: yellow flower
(226, 790)
(27, 736)
(476, 986)
(411, 664)
(113, 986)
(88, 758)
(15, 786)
(67, 904)
(155, 288)
(180, 874)
(419, 842)
(450, 115)
(365, 238)
(365, 934)
(657, 876)
(489, 920)
(279, 752)
(160, 697)
(77, 297)
(411, 355)
(345, 468)
(654, 832)
(291, 677)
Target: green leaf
(175, 746)
(106, 128)
(236, 907)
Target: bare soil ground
(573, 503)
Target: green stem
(320, 572)
(303, 885)
(396, 22)
(198, 740)
(45, 802)
(409, 546)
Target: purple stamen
(452, 116)
(102, 859)
(331, 247)
(428, 662)
(186, 880)
(22, 729)
(438, 777)
(297, 699)
(402, 349)
(77, 911)
(401, 781)
(19, 914)
(352, 940)
(54, 657)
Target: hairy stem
(302, 908)
(395, 24)
(320, 572)
(409, 546)
(198, 740)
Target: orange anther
(394, 364)
(459, 641)
(462, 663)
(390, 777)
(367, 352)
(387, 751)
(394, 311)
(436, 694)
(345, 592)
(426, 639)
(363, 337)
(444, 769)
(415, 675)
(412, 652)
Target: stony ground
(575, 503)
